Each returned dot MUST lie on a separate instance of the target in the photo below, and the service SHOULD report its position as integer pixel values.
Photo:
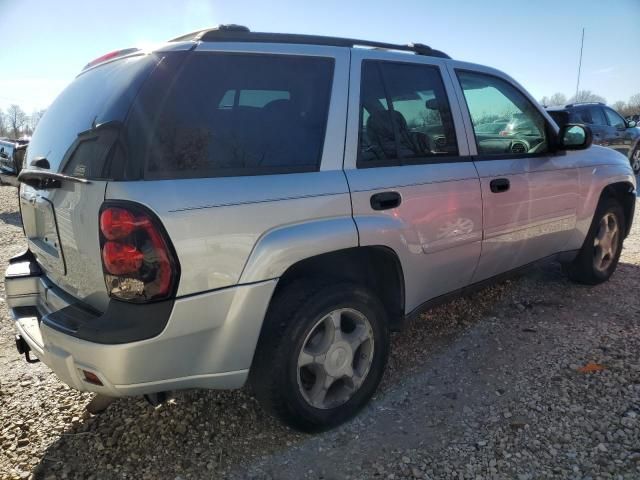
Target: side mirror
(575, 137)
(632, 123)
(432, 104)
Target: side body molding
(280, 248)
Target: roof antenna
(579, 67)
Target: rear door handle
(385, 200)
(499, 185)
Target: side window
(615, 120)
(404, 115)
(230, 114)
(597, 116)
(584, 116)
(504, 120)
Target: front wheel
(635, 160)
(321, 354)
(599, 255)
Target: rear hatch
(71, 157)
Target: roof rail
(239, 33)
(575, 104)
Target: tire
(635, 160)
(598, 258)
(289, 384)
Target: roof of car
(239, 33)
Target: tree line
(630, 107)
(16, 123)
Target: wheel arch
(375, 267)
(625, 194)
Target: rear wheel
(321, 355)
(599, 255)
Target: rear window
(99, 96)
(225, 114)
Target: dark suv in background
(609, 128)
(11, 157)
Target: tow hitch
(23, 348)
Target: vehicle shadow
(11, 218)
(207, 434)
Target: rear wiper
(41, 179)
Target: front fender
(280, 248)
(593, 182)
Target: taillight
(137, 258)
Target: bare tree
(619, 107)
(16, 118)
(34, 118)
(3, 125)
(558, 99)
(634, 103)
(587, 96)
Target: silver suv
(239, 207)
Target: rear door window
(228, 114)
(404, 115)
(584, 115)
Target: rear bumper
(208, 341)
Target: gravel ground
(486, 387)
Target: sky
(45, 43)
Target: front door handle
(499, 185)
(385, 200)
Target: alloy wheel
(606, 242)
(635, 160)
(335, 358)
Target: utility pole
(579, 65)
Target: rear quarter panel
(215, 223)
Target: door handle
(385, 200)
(499, 185)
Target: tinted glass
(404, 115)
(235, 114)
(615, 120)
(584, 115)
(597, 116)
(493, 100)
(98, 96)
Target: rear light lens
(138, 261)
(117, 223)
(121, 258)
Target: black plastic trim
(122, 322)
(27, 256)
(632, 194)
